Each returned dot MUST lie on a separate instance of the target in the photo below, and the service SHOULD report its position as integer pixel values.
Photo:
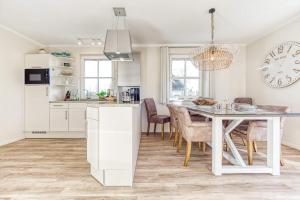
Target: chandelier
(213, 56)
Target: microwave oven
(37, 76)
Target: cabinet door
(36, 108)
(77, 120)
(58, 120)
(92, 143)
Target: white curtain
(164, 75)
(206, 80)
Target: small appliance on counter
(129, 94)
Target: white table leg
(273, 145)
(217, 146)
(237, 156)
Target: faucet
(87, 93)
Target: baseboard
(11, 140)
(291, 145)
(56, 135)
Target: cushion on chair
(161, 119)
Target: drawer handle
(58, 105)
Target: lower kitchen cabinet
(77, 117)
(92, 143)
(58, 119)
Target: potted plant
(102, 94)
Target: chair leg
(255, 146)
(171, 132)
(250, 152)
(226, 147)
(154, 128)
(281, 160)
(176, 138)
(179, 146)
(243, 141)
(148, 128)
(163, 131)
(187, 153)
(199, 145)
(203, 146)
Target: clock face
(281, 66)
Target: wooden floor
(57, 169)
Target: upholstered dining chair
(191, 131)
(173, 123)
(246, 100)
(257, 130)
(153, 117)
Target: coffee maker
(129, 94)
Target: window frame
(83, 77)
(171, 78)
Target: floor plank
(57, 169)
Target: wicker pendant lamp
(213, 56)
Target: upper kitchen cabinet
(40, 61)
(129, 72)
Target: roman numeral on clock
(296, 70)
(289, 49)
(272, 54)
(296, 53)
(280, 49)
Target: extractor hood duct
(117, 45)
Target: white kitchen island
(113, 137)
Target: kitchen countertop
(95, 103)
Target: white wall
(231, 82)
(261, 93)
(12, 50)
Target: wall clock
(281, 66)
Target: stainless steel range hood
(117, 45)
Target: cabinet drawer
(92, 113)
(58, 105)
(77, 105)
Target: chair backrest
(150, 108)
(184, 119)
(246, 100)
(282, 109)
(173, 114)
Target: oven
(37, 76)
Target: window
(185, 79)
(96, 75)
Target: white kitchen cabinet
(112, 149)
(129, 72)
(59, 117)
(93, 140)
(77, 117)
(92, 143)
(40, 61)
(36, 108)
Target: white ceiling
(53, 22)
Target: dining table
(235, 117)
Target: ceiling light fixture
(213, 56)
(89, 41)
(79, 42)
